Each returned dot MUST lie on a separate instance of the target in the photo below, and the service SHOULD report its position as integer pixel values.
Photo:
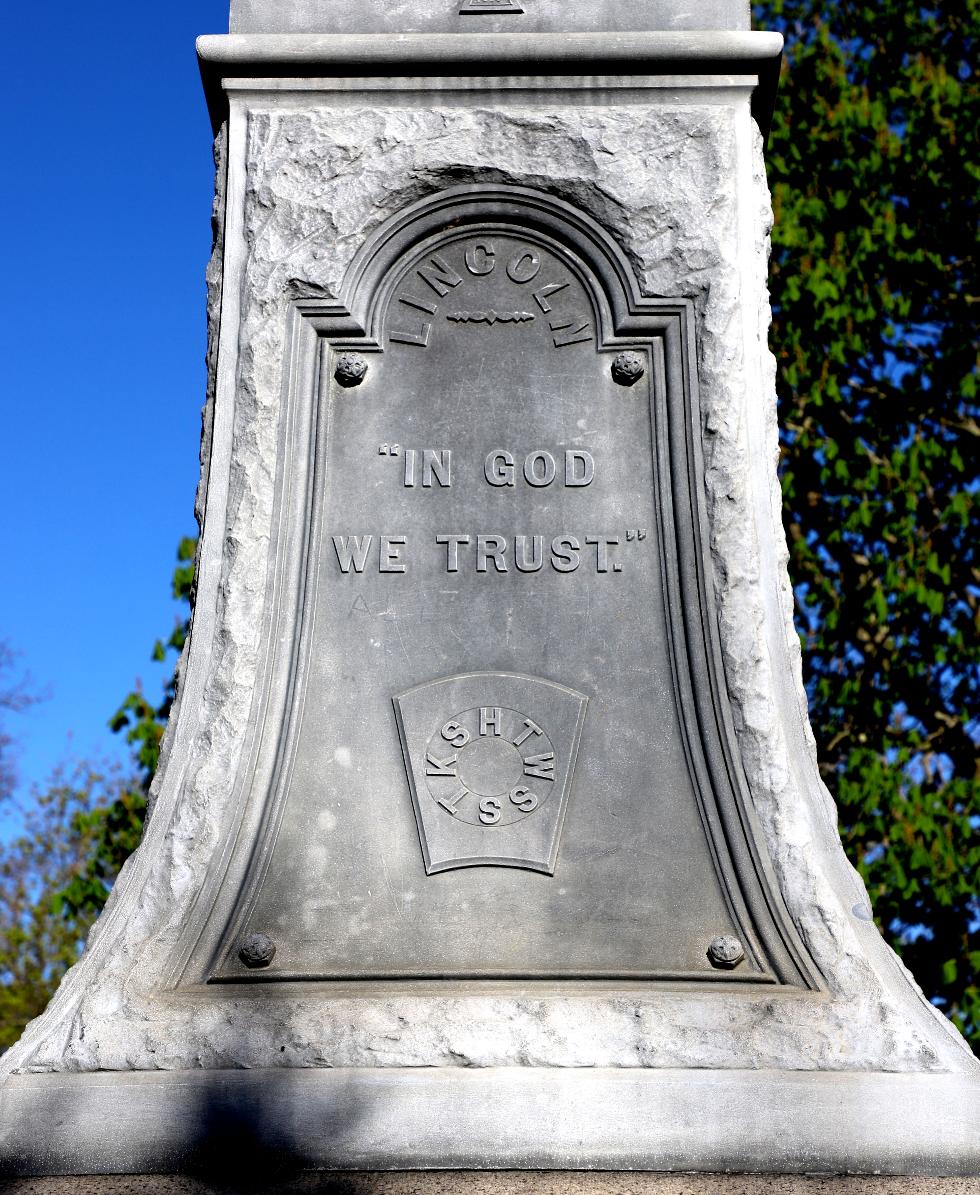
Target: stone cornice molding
(492, 55)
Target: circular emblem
(258, 950)
(350, 370)
(627, 368)
(726, 952)
(490, 766)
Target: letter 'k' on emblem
(490, 758)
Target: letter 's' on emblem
(490, 758)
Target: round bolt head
(726, 952)
(350, 369)
(258, 950)
(627, 368)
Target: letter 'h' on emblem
(490, 758)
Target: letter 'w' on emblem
(490, 758)
(540, 765)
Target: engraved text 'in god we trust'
(485, 552)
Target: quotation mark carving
(636, 533)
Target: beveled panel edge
(506, 1118)
(301, 55)
(623, 316)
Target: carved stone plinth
(488, 831)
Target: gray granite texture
(681, 188)
(468, 1182)
(444, 16)
(275, 1120)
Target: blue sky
(107, 193)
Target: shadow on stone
(258, 1137)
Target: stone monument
(488, 831)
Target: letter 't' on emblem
(490, 758)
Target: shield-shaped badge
(490, 757)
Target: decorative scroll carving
(490, 317)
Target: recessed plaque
(501, 747)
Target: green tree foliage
(873, 165)
(76, 833)
(15, 695)
(114, 829)
(38, 943)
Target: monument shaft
(488, 830)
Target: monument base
(498, 1182)
(514, 1118)
(695, 982)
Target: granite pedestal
(488, 831)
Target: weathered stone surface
(257, 1123)
(447, 16)
(469, 1182)
(660, 179)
